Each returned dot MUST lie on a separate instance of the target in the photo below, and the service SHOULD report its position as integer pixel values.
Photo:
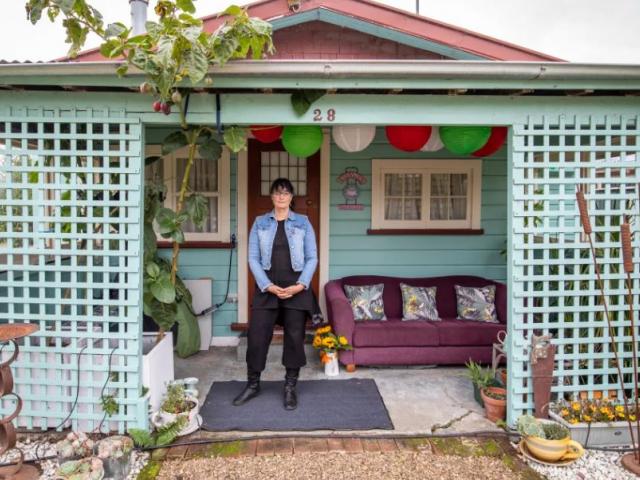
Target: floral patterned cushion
(418, 303)
(366, 301)
(477, 304)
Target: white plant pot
(157, 366)
(160, 418)
(331, 368)
(201, 290)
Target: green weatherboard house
(569, 127)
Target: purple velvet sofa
(414, 342)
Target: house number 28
(318, 117)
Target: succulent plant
(85, 469)
(75, 444)
(555, 431)
(529, 426)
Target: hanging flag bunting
(495, 142)
(353, 138)
(434, 143)
(266, 133)
(464, 140)
(408, 138)
(302, 140)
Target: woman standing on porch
(282, 257)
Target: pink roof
(380, 15)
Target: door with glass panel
(268, 162)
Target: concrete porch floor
(420, 400)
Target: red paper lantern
(266, 133)
(496, 140)
(408, 138)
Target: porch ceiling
(423, 76)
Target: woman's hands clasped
(286, 292)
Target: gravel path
(329, 466)
(594, 465)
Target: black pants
(261, 333)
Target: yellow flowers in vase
(329, 343)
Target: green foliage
(555, 431)
(481, 377)
(176, 400)
(159, 437)
(302, 101)
(109, 404)
(529, 426)
(235, 139)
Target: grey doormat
(353, 404)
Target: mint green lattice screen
(70, 243)
(553, 287)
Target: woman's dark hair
(283, 184)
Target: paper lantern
(302, 140)
(408, 138)
(353, 138)
(434, 143)
(266, 133)
(464, 140)
(496, 140)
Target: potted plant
(595, 422)
(495, 403)
(178, 405)
(547, 440)
(480, 378)
(328, 343)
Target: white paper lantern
(434, 143)
(353, 138)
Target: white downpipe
(139, 15)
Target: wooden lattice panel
(70, 260)
(554, 290)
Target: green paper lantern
(302, 140)
(464, 140)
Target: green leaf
(122, 70)
(150, 242)
(233, 10)
(141, 438)
(235, 138)
(166, 219)
(34, 177)
(186, 5)
(116, 29)
(108, 48)
(196, 64)
(153, 270)
(197, 207)
(164, 314)
(210, 149)
(163, 290)
(188, 341)
(173, 142)
(301, 101)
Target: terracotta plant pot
(494, 409)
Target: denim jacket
(302, 245)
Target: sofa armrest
(339, 309)
(501, 302)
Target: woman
(282, 257)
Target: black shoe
(251, 390)
(290, 396)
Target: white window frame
(380, 167)
(224, 192)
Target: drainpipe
(139, 15)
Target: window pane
(459, 184)
(211, 222)
(393, 209)
(203, 176)
(413, 184)
(439, 209)
(412, 209)
(393, 184)
(439, 184)
(458, 209)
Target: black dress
(283, 275)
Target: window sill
(425, 231)
(197, 244)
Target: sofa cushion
(395, 333)
(419, 303)
(366, 301)
(477, 303)
(453, 332)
